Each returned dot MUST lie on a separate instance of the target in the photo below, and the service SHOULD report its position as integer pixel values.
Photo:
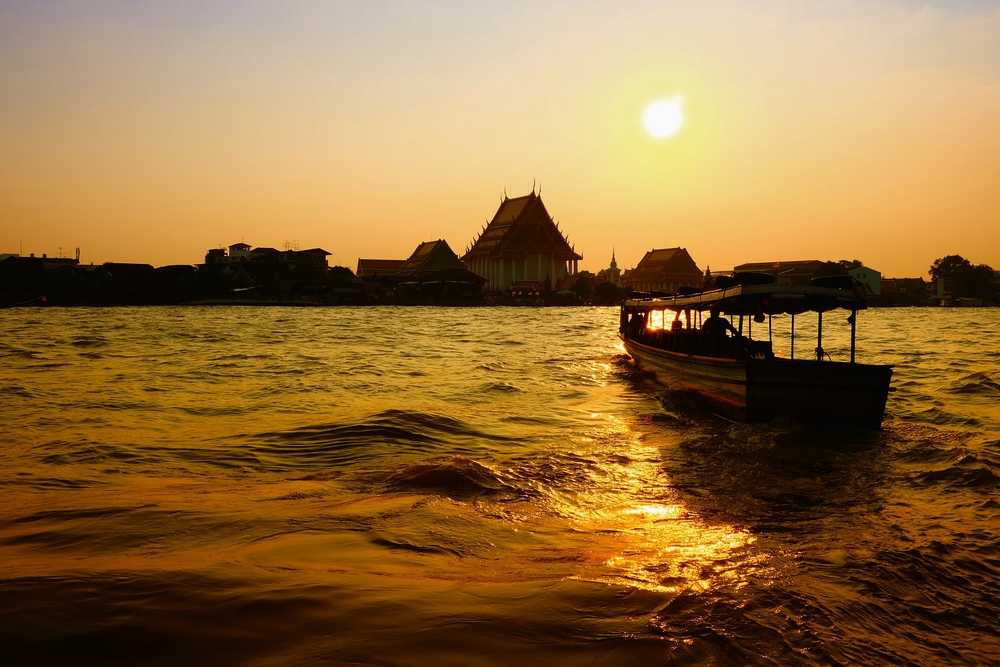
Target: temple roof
(667, 260)
(521, 226)
(430, 259)
(432, 256)
(792, 266)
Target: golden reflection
(655, 322)
(657, 511)
(643, 535)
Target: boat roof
(751, 299)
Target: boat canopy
(753, 299)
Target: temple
(521, 244)
(612, 274)
(432, 274)
(663, 270)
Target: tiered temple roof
(432, 256)
(430, 259)
(378, 268)
(798, 266)
(521, 227)
(665, 261)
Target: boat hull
(761, 389)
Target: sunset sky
(151, 131)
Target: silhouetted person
(715, 329)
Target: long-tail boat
(714, 358)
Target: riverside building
(521, 244)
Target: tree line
(963, 279)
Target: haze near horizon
(149, 132)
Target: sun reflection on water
(643, 535)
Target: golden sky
(146, 131)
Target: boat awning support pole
(854, 328)
(792, 355)
(819, 337)
(770, 338)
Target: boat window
(655, 322)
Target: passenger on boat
(717, 327)
(715, 330)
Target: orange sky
(152, 131)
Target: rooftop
(667, 260)
(521, 226)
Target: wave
(976, 384)
(17, 390)
(491, 367)
(406, 545)
(457, 477)
(47, 483)
(387, 433)
(301, 495)
(503, 387)
(19, 353)
(89, 341)
(968, 473)
(85, 451)
(530, 420)
(942, 417)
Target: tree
(964, 278)
(584, 285)
(980, 283)
(608, 294)
(949, 265)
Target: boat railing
(695, 342)
(748, 303)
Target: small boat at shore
(714, 358)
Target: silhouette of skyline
(151, 131)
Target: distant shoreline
(300, 304)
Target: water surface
(397, 486)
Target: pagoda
(522, 243)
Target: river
(397, 486)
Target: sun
(664, 118)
